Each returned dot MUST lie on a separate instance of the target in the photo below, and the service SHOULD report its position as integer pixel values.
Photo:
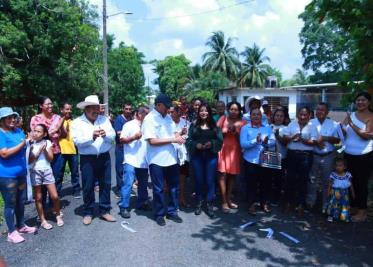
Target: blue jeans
(204, 168)
(299, 167)
(130, 173)
(72, 160)
(119, 165)
(158, 175)
(13, 191)
(93, 167)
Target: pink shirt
(51, 124)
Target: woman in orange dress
(229, 157)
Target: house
(292, 97)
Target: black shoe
(160, 221)
(77, 195)
(125, 213)
(176, 218)
(198, 209)
(210, 211)
(145, 207)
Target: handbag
(270, 159)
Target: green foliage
(173, 72)
(277, 73)
(299, 78)
(207, 95)
(49, 48)
(254, 71)
(126, 77)
(222, 57)
(354, 17)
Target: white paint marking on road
(269, 230)
(125, 224)
(296, 241)
(246, 225)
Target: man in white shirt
(323, 155)
(160, 134)
(135, 165)
(94, 136)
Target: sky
(161, 28)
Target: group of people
(292, 163)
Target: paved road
(198, 241)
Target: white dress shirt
(157, 126)
(134, 153)
(308, 132)
(82, 134)
(327, 128)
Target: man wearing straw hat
(94, 136)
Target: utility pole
(104, 53)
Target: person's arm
(246, 139)
(110, 134)
(313, 138)
(366, 134)
(48, 152)
(80, 135)
(271, 137)
(8, 152)
(55, 129)
(125, 138)
(151, 136)
(217, 143)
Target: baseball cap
(164, 99)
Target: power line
(192, 14)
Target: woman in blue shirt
(13, 174)
(255, 137)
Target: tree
(126, 76)
(326, 47)
(299, 78)
(222, 57)
(47, 48)
(354, 17)
(173, 73)
(254, 71)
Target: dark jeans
(204, 168)
(159, 175)
(93, 167)
(299, 167)
(13, 191)
(278, 181)
(119, 165)
(360, 167)
(257, 177)
(72, 160)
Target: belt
(323, 154)
(95, 155)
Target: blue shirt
(118, 125)
(249, 144)
(15, 165)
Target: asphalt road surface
(198, 241)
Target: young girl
(340, 182)
(41, 155)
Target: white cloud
(116, 25)
(272, 24)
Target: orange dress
(229, 157)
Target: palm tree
(223, 57)
(253, 69)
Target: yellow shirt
(67, 144)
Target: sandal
(233, 205)
(266, 208)
(59, 221)
(46, 225)
(225, 208)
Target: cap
(164, 99)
